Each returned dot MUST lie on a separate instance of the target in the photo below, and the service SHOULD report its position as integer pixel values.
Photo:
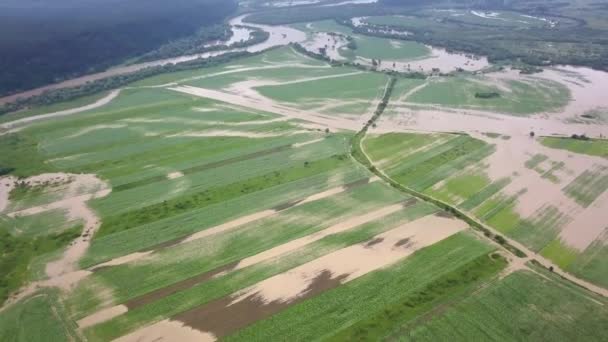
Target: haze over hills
(43, 42)
(305, 170)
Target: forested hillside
(43, 42)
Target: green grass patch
(152, 234)
(592, 147)
(391, 148)
(362, 87)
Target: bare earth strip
(6, 186)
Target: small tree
(532, 134)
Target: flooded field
(281, 197)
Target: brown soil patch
(222, 317)
(406, 243)
(410, 202)
(445, 214)
(356, 184)
(180, 286)
(287, 205)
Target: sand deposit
(167, 331)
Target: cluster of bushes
(487, 95)
(580, 137)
